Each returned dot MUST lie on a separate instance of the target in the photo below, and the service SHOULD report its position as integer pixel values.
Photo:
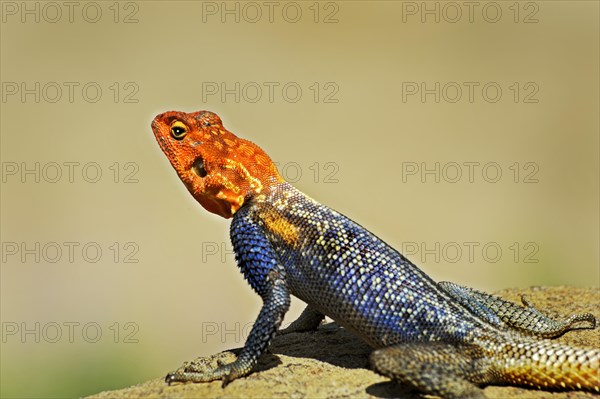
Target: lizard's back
(347, 273)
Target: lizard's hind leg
(448, 370)
(525, 318)
(309, 320)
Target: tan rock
(332, 363)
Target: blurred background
(464, 134)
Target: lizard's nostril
(198, 167)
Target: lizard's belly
(391, 306)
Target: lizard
(439, 338)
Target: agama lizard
(439, 338)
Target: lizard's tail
(550, 365)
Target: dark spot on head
(198, 167)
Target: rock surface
(332, 363)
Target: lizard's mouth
(198, 167)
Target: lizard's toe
(171, 378)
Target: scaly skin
(440, 338)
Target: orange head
(219, 169)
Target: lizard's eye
(178, 130)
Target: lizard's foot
(185, 375)
(572, 323)
(451, 371)
(217, 367)
(309, 320)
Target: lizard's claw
(205, 370)
(171, 378)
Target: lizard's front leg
(275, 305)
(260, 265)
